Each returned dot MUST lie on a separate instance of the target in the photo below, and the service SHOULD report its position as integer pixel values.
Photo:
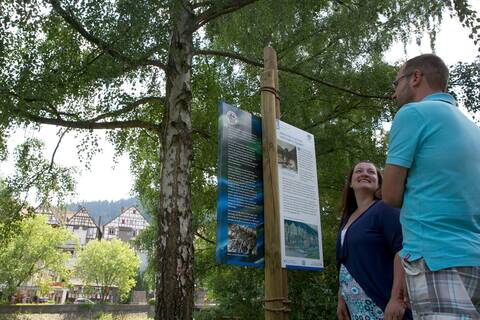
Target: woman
(370, 271)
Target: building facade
(126, 226)
(83, 226)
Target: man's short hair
(432, 67)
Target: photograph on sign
(301, 240)
(242, 240)
(300, 227)
(240, 224)
(287, 156)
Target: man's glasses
(395, 83)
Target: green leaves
(464, 79)
(238, 290)
(10, 214)
(35, 173)
(108, 264)
(34, 251)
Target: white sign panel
(300, 230)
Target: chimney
(100, 229)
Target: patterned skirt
(360, 306)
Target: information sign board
(300, 230)
(240, 224)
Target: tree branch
(87, 124)
(52, 161)
(129, 107)
(28, 275)
(204, 238)
(317, 54)
(336, 113)
(202, 4)
(50, 109)
(202, 133)
(289, 70)
(294, 44)
(346, 5)
(75, 24)
(84, 68)
(215, 12)
(227, 55)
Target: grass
(100, 316)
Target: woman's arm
(342, 310)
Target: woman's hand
(395, 309)
(342, 310)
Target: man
(432, 173)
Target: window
(111, 231)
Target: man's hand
(342, 310)
(395, 309)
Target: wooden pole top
(269, 58)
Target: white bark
(174, 294)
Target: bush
(105, 316)
(13, 317)
(151, 301)
(208, 314)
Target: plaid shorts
(447, 294)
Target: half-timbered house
(83, 226)
(125, 226)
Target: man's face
(403, 91)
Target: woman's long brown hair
(349, 202)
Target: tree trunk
(105, 293)
(174, 243)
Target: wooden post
(276, 289)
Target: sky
(452, 44)
(107, 180)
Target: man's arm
(396, 305)
(393, 185)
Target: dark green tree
(465, 77)
(151, 73)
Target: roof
(148, 220)
(82, 218)
(60, 215)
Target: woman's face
(364, 177)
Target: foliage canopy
(34, 253)
(158, 69)
(108, 264)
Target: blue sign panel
(240, 223)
